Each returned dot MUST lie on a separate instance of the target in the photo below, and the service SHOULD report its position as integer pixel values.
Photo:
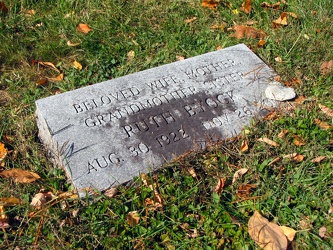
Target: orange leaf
(3, 7)
(3, 151)
(219, 186)
(48, 65)
(274, 6)
(42, 82)
(246, 7)
(20, 175)
(261, 43)
(244, 147)
(318, 159)
(58, 78)
(327, 111)
(283, 133)
(212, 4)
(299, 158)
(268, 141)
(300, 99)
(133, 218)
(3, 218)
(83, 28)
(242, 31)
(281, 21)
(323, 125)
(244, 190)
(326, 67)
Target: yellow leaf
(10, 201)
(267, 235)
(278, 59)
(3, 151)
(246, 7)
(133, 218)
(180, 58)
(269, 142)
(235, 11)
(83, 28)
(244, 147)
(77, 65)
(281, 21)
(288, 232)
(238, 174)
(130, 56)
(292, 14)
(219, 186)
(70, 44)
(20, 175)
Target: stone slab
(107, 133)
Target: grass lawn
(180, 208)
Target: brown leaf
(281, 21)
(244, 190)
(111, 192)
(327, 111)
(323, 125)
(275, 6)
(242, 31)
(10, 201)
(283, 133)
(292, 14)
(70, 44)
(244, 147)
(268, 141)
(326, 67)
(20, 175)
(180, 58)
(267, 235)
(298, 158)
(219, 186)
(288, 232)
(239, 173)
(246, 7)
(42, 82)
(298, 141)
(57, 79)
(271, 116)
(48, 65)
(40, 199)
(3, 7)
(133, 218)
(83, 28)
(190, 20)
(300, 99)
(3, 151)
(212, 4)
(274, 160)
(318, 159)
(322, 232)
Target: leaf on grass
(288, 232)
(266, 234)
(41, 199)
(274, 160)
(271, 116)
(180, 58)
(298, 158)
(70, 44)
(133, 218)
(239, 174)
(83, 28)
(3, 151)
(20, 175)
(244, 147)
(326, 67)
(275, 6)
(292, 14)
(3, 7)
(192, 172)
(111, 192)
(281, 21)
(242, 31)
(283, 133)
(327, 111)
(190, 20)
(246, 7)
(322, 232)
(212, 4)
(323, 125)
(77, 65)
(278, 59)
(298, 141)
(42, 82)
(130, 56)
(268, 141)
(318, 159)
(10, 201)
(261, 43)
(244, 190)
(300, 99)
(56, 79)
(219, 186)
(3, 218)
(48, 65)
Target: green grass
(291, 193)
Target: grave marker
(107, 133)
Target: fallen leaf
(133, 218)
(70, 44)
(244, 190)
(323, 125)
(219, 186)
(331, 209)
(242, 31)
(278, 59)
(77, 65)
(322, 232)
(83, 28)
(48, 65)
(40, 199)
(318, 159)
(283, 133)
(3, 8)
(274, 6)
(289, 156)
(239, 174)
(246, 7)
(180, 58)
(111, 192)
(3, 152)
(212, 4)
(56, 79)
(298, 158)
(327, 111)
(298, 141)
(192, 172)
(244, 147)
(267, 235)
(20, 175)
(281, 21)
(274, 160)
(130, 56)
(292, 14)
(30, 12)
(288, 232)
(3, 218)
(251, 22)
(10, 201)
(261, 43)
(271, 116)
(219, 47)
(268, 141)
(326, 67)
(190, 20)
(42, 82)
(300, 99)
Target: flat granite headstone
(107, 133)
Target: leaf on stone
(130, 56)
(20, 175)
(56, 79)
(268, 141)
(246, 7)
(288, 232)
(77, 65)
(239, 173)
(281, 21)
(244, 147)
(326, 67)
(10, 201)
(318, 159)
(40, 199)
(275, 6)
(212, 4)
(3, 151)
(322, 232)
(267, 235)
(327, 111)
(3, 7)
(133, 218)
(83, 28)
(219, 186)
(323, 125)
(244, 190)
(242, 31)
(70, 44)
